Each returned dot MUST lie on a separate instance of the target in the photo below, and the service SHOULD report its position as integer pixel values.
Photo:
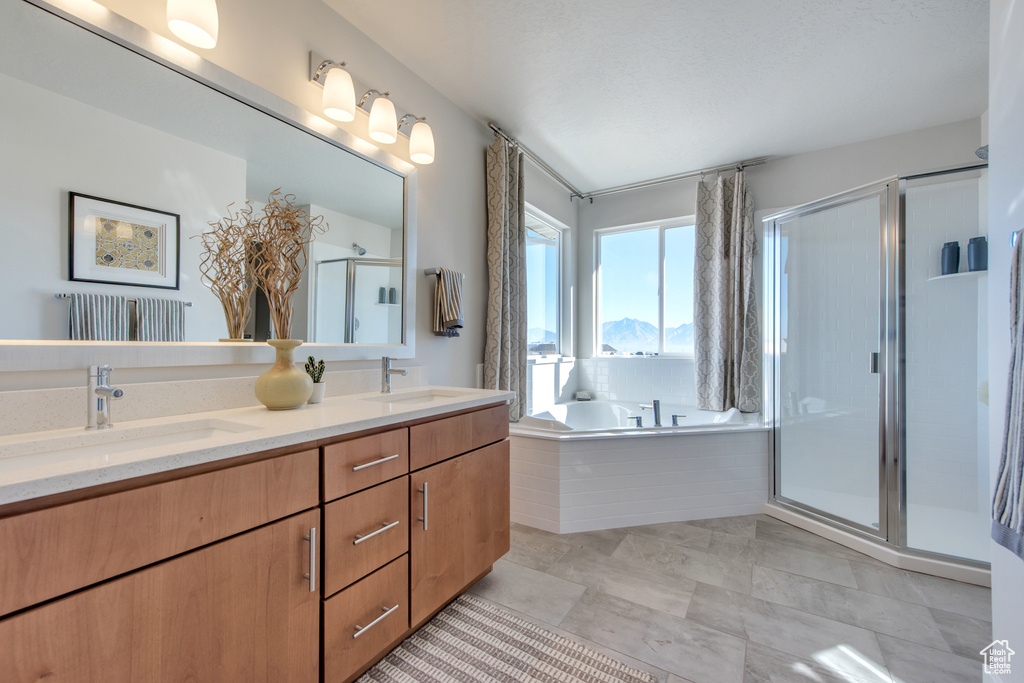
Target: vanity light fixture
(421, 138)
(339, 102)
(194, 21)
(383, 118)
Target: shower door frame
(350, 289)
(892, 436)
(888, 505)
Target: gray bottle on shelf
(950, 258)
(977, 253)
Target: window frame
(662, 226)
(563, 294)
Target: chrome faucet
(638, 420)
(385, 374)
(656, 406)
(99, 397)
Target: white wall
(268, 42)
(1006, 214)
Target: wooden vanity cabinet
(238, 610)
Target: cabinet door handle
(424, 517)
(312, 560)
(384, 527)
(360, 630)
(375, 462)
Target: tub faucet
(638, 419)
(654, 405)
(99, 395)
(385, 374)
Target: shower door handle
(873, 363)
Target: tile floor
(748, 599)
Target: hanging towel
(1008, 500)
(447, 303)
(98, 317)
(160, 320)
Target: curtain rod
(739, 165)
(555, 175)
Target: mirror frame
(32, 355)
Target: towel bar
(437, 271)
(133, 301)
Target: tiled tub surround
(571, 482)
(749, 599)
(251, 429)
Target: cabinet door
(238, 610)
(460, 526)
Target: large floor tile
(965, 636)
(680, 646)
(866, 610)
(529, 591)
(536, 551)
(745, 525)
(931, 591)
(604, 541)
(780, 532)
(679, 533)
(797, 633)
(685, 562)
(634, 582)
(782, 557)
(912, 663)
(765, 665)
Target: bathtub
(580, 467)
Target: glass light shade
(421, 143)
(383, 121)
(339, 95)
(194, 21)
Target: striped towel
(448, 303)
(98, 317)
(160, 320)
(1008, 499)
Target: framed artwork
(123, 244)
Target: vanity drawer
(358, 464)
(441, 439)
(350, 642)
(365, 531)
(53, 551)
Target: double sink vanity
(244, 544)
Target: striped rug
(472, 641)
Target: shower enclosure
(877, 363)
(358, 301)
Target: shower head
(982, 152)
(359, 250)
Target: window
(645, 290)
(543, 279)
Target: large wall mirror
(81, 112)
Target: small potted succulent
(315, 369)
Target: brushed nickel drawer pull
(424, 517)
(375, 462)
(360, 630)
(312, 559)
(382, 529)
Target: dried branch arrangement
(226, 267)
(280, 243)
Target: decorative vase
(318, 392)
(286, 385)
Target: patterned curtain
(726, 339)
(505, 348)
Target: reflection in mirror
(80, 113)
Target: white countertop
(43, 463)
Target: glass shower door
(830, 357)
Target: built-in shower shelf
(969, 275)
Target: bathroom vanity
(315, 541)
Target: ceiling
(612, 92)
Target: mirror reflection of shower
(347, 304)
(358, 249)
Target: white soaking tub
(581, 466)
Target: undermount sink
(421, 396)
(113, 441)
